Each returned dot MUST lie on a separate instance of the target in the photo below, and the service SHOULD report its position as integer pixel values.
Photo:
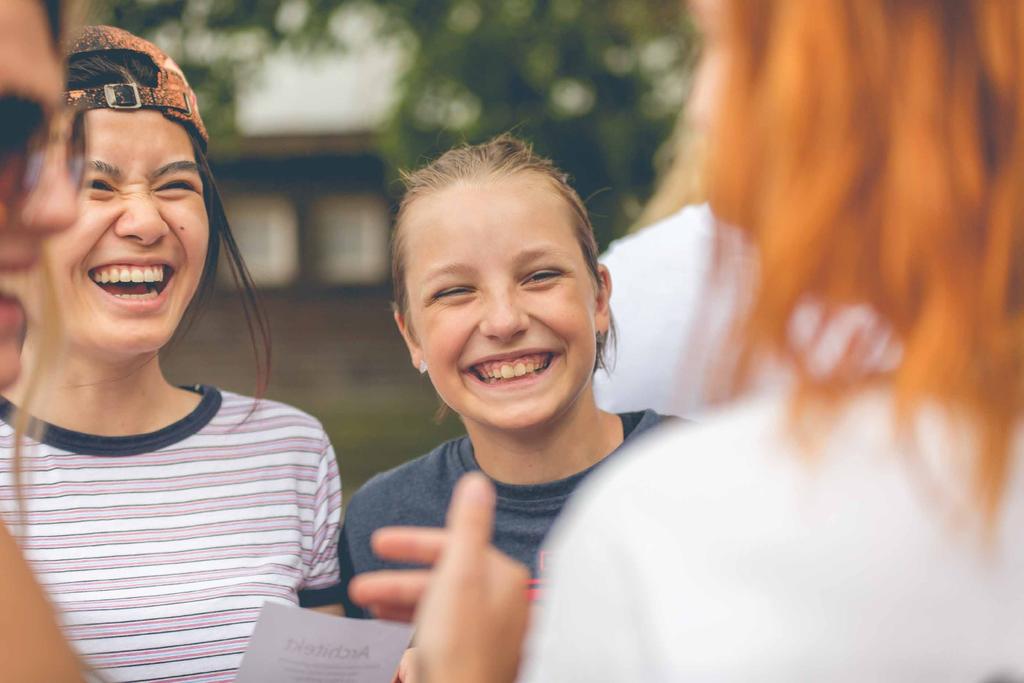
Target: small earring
(423, 366)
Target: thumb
(470, 517)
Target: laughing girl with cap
(161, 518)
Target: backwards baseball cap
(171, 96)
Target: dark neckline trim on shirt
(134, 444)
(549, 490)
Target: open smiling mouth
(132, 282)
(513, 369)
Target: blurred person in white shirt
(863, 523)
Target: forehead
(487, 215)
(140, 139)
(29, 65)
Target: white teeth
(507, 372)
(520, 369)
(116, 274)
(154, 274)
(147, 295)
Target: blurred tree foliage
(595, 84)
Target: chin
(521, 420)
(133, 343)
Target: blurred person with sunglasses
(40, 172)
(198, 504)
(41, 150)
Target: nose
(503, 318)
(54, 203)
(141, 221)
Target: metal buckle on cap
(122, 96)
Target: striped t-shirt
(160, 549)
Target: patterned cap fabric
(172, 96)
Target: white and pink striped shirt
(160, 549)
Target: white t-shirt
(677, 288)
(671, 316)
(160, 549)
(720, 552)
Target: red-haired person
(865, 524)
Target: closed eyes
(450, 292)
(103, 186)
(536, 278)
(543, 276)
(178, 185)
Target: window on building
(351, 239)
(267, 232)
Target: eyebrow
(175, 167)
(525, 257)
(532, 255)
(107, 169)
(456, 269)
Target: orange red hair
(873, 152)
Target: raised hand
(471, 610)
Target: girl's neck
(570, 444)
(106, 398)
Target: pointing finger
(470, 521)
(394, 587)
(413, 545)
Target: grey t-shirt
(417, 494)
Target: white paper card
(295, 645)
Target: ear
(415, 352)
(603, 307)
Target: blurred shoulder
(668, 238)
(676, 445)
(745, 457)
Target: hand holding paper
(292, 644)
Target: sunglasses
(29, 134)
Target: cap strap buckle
(122, 96)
